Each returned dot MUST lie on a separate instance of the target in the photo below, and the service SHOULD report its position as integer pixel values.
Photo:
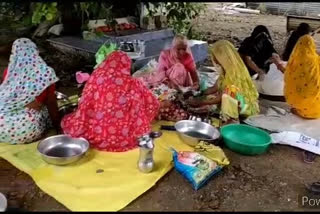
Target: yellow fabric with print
(302, 79)
(101, 181)
(229, 106)
(212, 152)
(235, 73)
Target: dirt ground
(268, 182)
(216, 25)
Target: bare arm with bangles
(210, 101)
(252, 65)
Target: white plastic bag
(316, 37)
(298, 140)
(147, 69)
(273, 82)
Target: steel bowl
(192, 132)
(67, 109)
(61, 96)
(63, 149)
(3, 203)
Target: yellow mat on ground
(81, 188)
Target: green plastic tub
(244, 139)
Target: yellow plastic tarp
(101, 181)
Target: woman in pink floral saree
(176, 67)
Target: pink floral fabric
(172, 69)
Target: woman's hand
(193, 102)
(196, 86)
(165, 104)
(170, 84)
(35, 105)
(276, 59)
(262, 74)
(278, 62)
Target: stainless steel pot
(3, 203)
(67, 109)
(63, 149)
(192, 132)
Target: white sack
(298, 140)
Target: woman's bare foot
(293, 111)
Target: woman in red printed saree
(115, 109)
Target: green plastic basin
(244, 139)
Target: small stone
(283, 184)
(269, 179)
(13, 193)
(243, 166)
(289, 199)
(229, 181)
(247, 187)
(214, 204)
(99, 171)
(212, 194)
(41, 194)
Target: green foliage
(44, 11)
(94, 10)
(86, 10)
(7, 9)
(179, 14)
(193, 34)
(14, 15)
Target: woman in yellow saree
(233, 84)
(302, 79)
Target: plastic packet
(212, 152)
(103, 52)
(148, 69)
(196, 168)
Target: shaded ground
(269, 182)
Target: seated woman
(302, 78)
(273, 84)
(27, 95)
(115, 109)
(234, 86)
(256, 51)
(303, 29)
(176, 66)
